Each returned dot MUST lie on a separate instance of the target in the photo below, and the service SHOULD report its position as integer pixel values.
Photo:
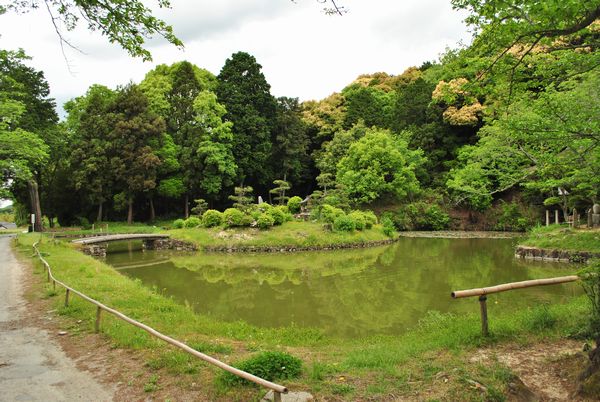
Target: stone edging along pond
(284, 249)
(542, 254)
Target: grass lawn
(346, 369)
(564, 238)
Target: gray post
(97, 324)
(575, 218)
(484, 317)
(556, 216)
(67, 298)
(276, 396)
(547, 218)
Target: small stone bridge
(96, 246)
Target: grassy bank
(375, 367)
(564, 238)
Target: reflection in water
(348, 293)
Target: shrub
(178, 223)
(268, 365)
(329, 213)
(192, 222)
(279, 215)
(359, 219)
(370, 219)
(344, 223)
(512, 216)
(388, 226)
(247, 220)
(265, 221)
(264, 207)
(233, 217)
(294, 204)
(436, 218)
(212, 218)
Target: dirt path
(32, 366)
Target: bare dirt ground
(546, 371)
(33, 367)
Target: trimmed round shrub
(265, 221)
(370, 219)
(278, 215)
(268, 365)
(294, 204)
(247, 220)
(388, 226)
(344, 223)
(192, 222)
(359, 219)
(178, 223)
(233, 217)
(329, 213)
(212, 218)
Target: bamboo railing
(277, 389)
(483, 292)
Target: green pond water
(346, 293)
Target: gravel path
(32, 366)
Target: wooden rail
(483, 292)
(277, 389)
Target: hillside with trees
(491, 131)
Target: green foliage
(242, 197)
(294, 204)
(129, 24)
(591, 285)
(328, 213)
(212, 218)
(200, 207)
(370, 219)
(192, 222)
(245, 93)
(344, 223)
(265, 221)
(233, 217)
(178, 223)
(360, 221)
(279, 215)
(388, 226)
(420, 215)
(379, 164)
(511, 216)
(268, 365)
(281, 187)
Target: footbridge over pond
(97, 245)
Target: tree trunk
(99, 217)
(187, 206)
(36, 208)
(152, 213)
(130, 212)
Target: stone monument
(596, 215)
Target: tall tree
(91, 120)
(245, 93)
(133, 132)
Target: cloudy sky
(304, 53)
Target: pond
(345, 293)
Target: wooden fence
(277, 389)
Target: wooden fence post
(97, 325)
(276, 396)
(484, 318)
(67, 298)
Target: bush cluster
(420, 216)
(268, 365)
(512, 216)
(262, 216)
(340, 221)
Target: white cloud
(304, 53)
